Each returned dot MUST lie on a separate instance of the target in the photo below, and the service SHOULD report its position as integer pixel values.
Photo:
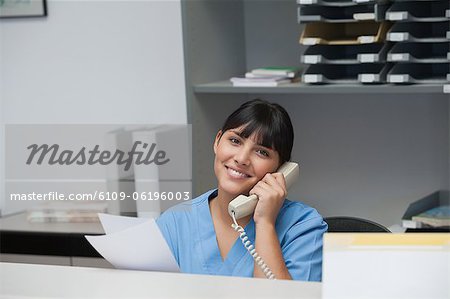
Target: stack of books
(267, 77)
(67, 212)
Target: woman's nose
(242, 157)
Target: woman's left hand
(271, 191)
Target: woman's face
(241, 162)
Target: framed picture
(22, 8)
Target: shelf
(224, 87)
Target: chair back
(353, 225)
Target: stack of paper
(134, 244)
(430, 211)
(436, 217)
(266, 77)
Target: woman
(254, 141)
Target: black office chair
(353, 225)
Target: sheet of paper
(136, 247)
(113, 223)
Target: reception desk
(48, 243)
(46, 281)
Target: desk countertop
(44, 281)
(18, 236)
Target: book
(290, 72)
(261, 84)
(436, 217)
(266, 81)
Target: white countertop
(44, 281)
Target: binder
(346, 54)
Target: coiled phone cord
(250, 248)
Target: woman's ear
(216, 140)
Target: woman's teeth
(237, 174)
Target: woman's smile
(236, 174)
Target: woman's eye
(234, 140)
(264, 153)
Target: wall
(115, 62)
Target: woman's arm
(268, 247)
(271, 191)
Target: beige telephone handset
(243, 206)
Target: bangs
(264, 135)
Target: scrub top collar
(209, 245)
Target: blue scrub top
(189, 230)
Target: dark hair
(269, 121)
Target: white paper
(113, 223)
(133, 244)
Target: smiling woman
(249, 148)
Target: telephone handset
(243, 206)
